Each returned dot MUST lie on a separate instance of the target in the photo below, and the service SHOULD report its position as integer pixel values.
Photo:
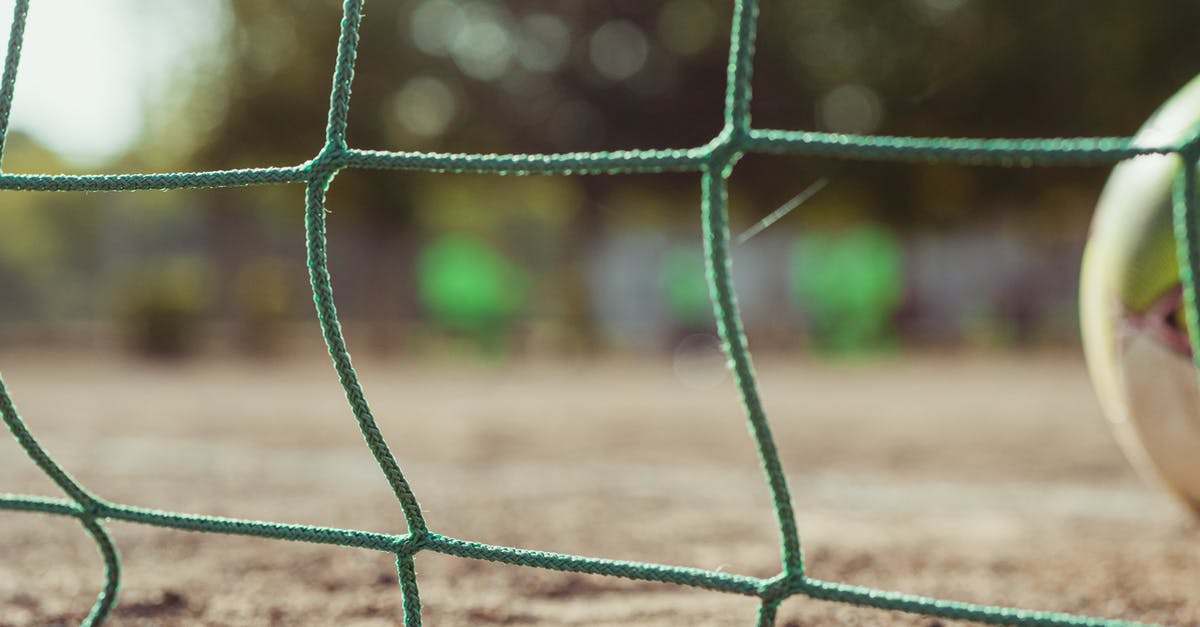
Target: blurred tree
(973, 68)
(528, 75)
(440, 75)
(48, 244)
(540, 76)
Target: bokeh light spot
(545, 42)
(618, 49)
(425, 106)
(435, 25)
(850, 108)
(484, 48)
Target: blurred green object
(682, 280)
(471, 289)
(849, 285)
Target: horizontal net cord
(614, 162)
(1010, 152)
(400, 544)
(641, 571)
(156, 181)
(775, 588)
(42, 504)
(205, 524)
(913, 604)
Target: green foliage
(48, 241)
(29, 241)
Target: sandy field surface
(983, 478)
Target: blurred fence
(856, 288)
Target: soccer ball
(1131, 308)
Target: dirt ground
(984, 478)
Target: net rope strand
(714, 163)
(12, 59)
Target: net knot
(412, 543)
(780, 587)
(725, 150)
(90, 508)
(327, 163)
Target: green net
(714, 163)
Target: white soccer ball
(1134, 330)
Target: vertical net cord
(343, 77)
(323, 169)
(86, 511)
(766, 612)
(86, 500)
(12, 59)
(322, 172)
(107, 598)
(1187, 241)
(715, 216)
(411, 601)
(740, 70)
(88, 503)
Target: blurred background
(884, 257)
(540, 351)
